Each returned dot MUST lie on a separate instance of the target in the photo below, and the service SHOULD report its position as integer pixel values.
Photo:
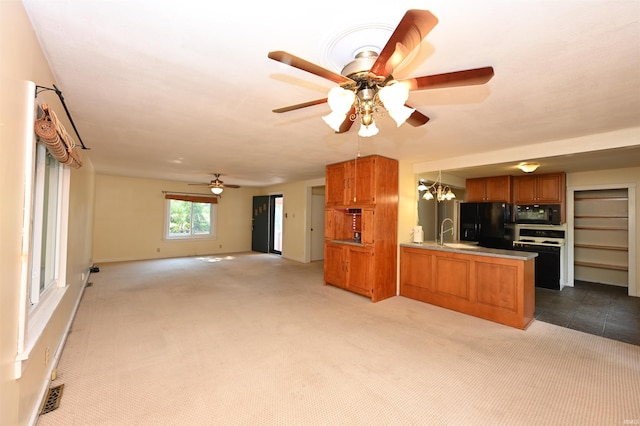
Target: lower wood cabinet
(493, 288)
(350, 267)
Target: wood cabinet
(351, 182)
(362, 196)
(489, 189)
(494, 288)
(547, 188)
(350, 267)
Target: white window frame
(36, 312)
(212, 235)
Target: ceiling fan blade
(302, 105)
(414, 26)
(348, 122)
(226, 185)
(417, 118)
(294, 61)
(199, 184)
(451, 79)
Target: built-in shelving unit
(601, 236)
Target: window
(46, 226)
(189, 219)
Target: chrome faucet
(442, 230)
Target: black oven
(543, 214)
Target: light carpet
(255, 339)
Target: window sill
(39, 317)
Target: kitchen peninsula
(497, 285)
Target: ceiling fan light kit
(217, 186)
(367, 87)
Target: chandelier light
(368, 100)
(436, 190)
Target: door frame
(632, 285)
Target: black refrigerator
(489, 224)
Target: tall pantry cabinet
(361, 220)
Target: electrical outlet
(158, 250)
(54, 374)
(47, 356)
(220, 245)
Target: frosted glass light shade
(400, 114)
(394, 95)
(367, 131)
(334, 120)
(340, 100)
(216, 190)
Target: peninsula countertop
(471, 248)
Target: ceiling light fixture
(436, 190)
(528, 167)
(217, 190)
(366, 100)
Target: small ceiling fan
(367, 86)
(217, 186)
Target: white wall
(22, 61)
(130, 214)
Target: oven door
(547, 263)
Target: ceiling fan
(217, 186)
(367, 86)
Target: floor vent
(52, 401)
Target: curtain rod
(59, 93)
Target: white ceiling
(182, 89)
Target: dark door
(260, 224)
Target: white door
(317, 227)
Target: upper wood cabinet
(548, 188)
(489, 189)
(354, 182)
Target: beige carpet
(255, 339)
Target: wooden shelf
(602, 228)
(599, 217)
(601, 199)
(600, 247)
(602, 265)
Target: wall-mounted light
(528, 167)
(436, 190)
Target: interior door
(275, 223)
(260, 224)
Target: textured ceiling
(180, 90)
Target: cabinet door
(334, 265)
(329, 224)
(524, 190)
(361, 183)
(498, 188)
(335, 184)
(360, 270)
(474, 190)
(550, 188)
(368, 226)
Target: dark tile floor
(600, 309)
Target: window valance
(53, 134)
(194, 198)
